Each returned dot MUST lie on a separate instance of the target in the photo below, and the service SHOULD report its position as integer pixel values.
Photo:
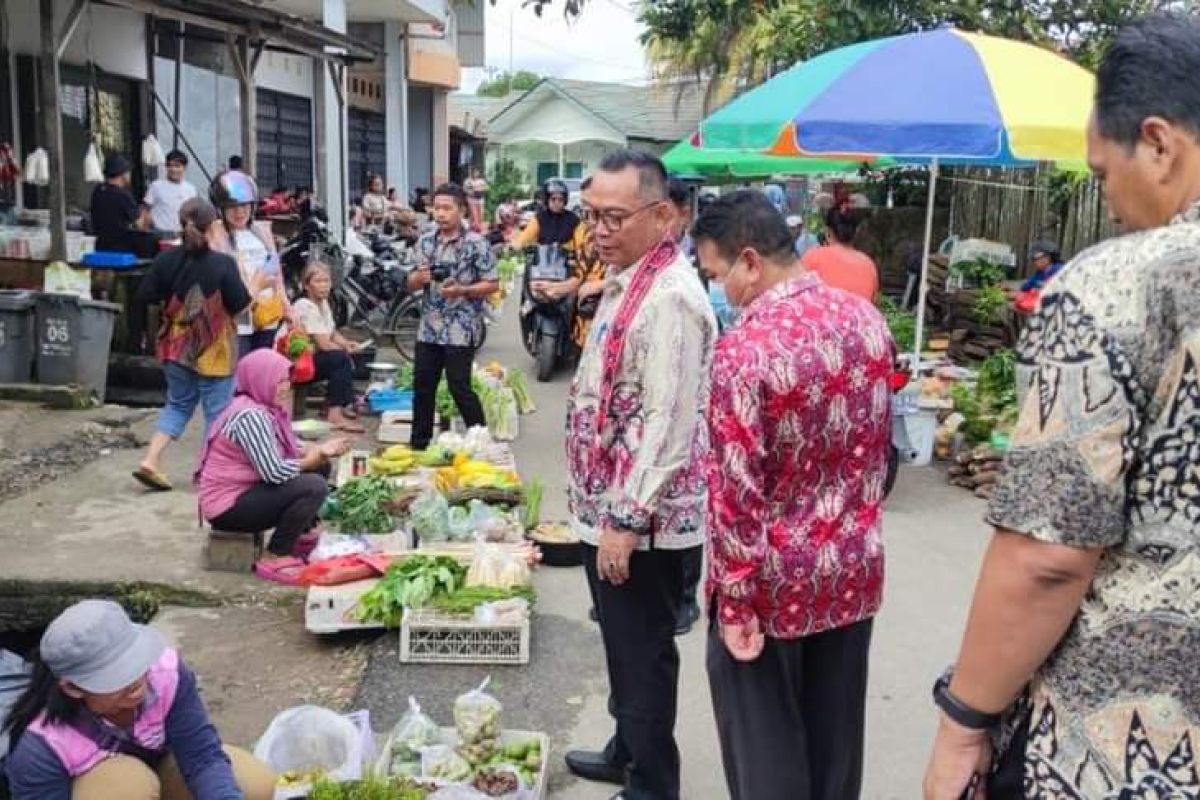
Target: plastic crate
(430, 637)
(383, 760)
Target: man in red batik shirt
(801, 419)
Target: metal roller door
(367, 145)
(285, 141)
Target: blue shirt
(467, 259)
(1039, 279)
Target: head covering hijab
(256, 381)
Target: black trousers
(791, 722)
(430, 361)
(637, 623)
(693, 571)
(337, 370)
(290, 508)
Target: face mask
(726, 314)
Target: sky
(602, 45)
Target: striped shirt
(254, 431)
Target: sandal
(152, 479)
(283, 570)
(304, 546)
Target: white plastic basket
(431, 637)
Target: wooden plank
(52, 136)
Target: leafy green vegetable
(410, 583)
(532, 513)
(405, 377)
(520, 387)
(465, 599)
(981, 272)
(993, 400)
(902, 324)
(362, 505)
(372, 787)
(991, 301)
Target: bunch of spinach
(411, 583)
(363, 505)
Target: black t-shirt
(114, 211)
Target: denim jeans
(186, 390)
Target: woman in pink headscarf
(254, 475)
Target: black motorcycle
(546, 321)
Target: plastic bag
(503, 612)
(152, 152)
(430, 515)
(92, 172)
(443, 762)
(307, 738)
(496, 567)
(413, 733)
(59, 278)
(37, 168)
(485, 783)
(477, 719)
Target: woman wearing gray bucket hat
(113, 713)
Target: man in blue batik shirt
(457, 275)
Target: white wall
(285, 73)
(115, 37)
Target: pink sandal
(284, 570)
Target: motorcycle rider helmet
(555, 186)
(233, 189)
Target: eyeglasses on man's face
(614, 219)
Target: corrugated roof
(471, 110)
(660, 112)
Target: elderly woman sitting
(255, 475)
(333, 350)
(113, 713)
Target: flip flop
(152, 479)
(283, 570)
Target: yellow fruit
(397, 452)
(460, 459)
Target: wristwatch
(959, 711)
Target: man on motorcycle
(456, 275)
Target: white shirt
(251, 258)
(315, 318)
(164, 198)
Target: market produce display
(396, 460)
(477, 720)
(469, 473)
(371, 788)
(410, 583)
(363, 505)
(464, 601)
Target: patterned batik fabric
(800, 424)
(643, 467)
(467, 259)
(1106, 454)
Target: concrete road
(934, 541)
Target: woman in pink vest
(254, 475)
(112, 713)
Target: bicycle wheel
(401, 327)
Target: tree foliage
(506, 182)
(727, 45)
(520, 81)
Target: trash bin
(16, 336)
(73, 338)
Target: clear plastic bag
(477, 719)
(442, 762)
(430, 515)
(414, 732)
(309, 738)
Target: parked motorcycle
(546, 321)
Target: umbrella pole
(922, 287)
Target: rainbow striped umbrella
(944, 96)
(688, 160)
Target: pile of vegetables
(372, 787)
(395, 460)
(520, 389)
(992, 402)
(464, 601)
(363, 505)
(296, 344)
(469, 473)
(991, 302)
(531, 512)
(902, 324)
(980, 272)
(411, 583)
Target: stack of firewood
(977, 469)
(972, 339)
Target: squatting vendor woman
(112, 713)
(256, 476)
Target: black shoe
(592, 614)
(593, 766)
(686, 619)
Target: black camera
(439, 272)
